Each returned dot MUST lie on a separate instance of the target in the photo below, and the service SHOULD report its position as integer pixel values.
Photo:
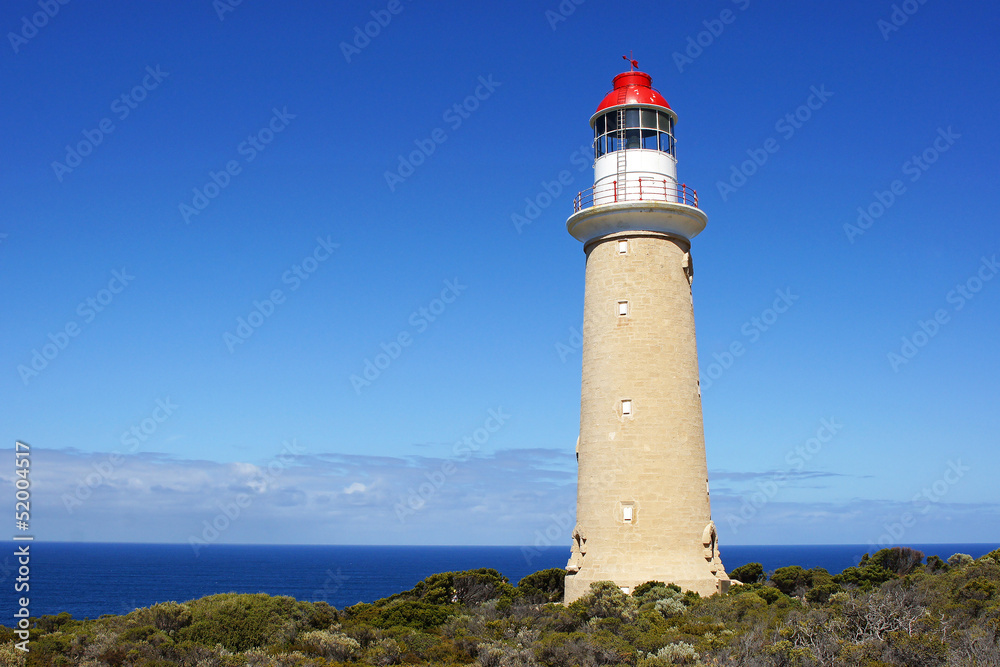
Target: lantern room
(635, 165)
(635, 150)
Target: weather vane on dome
(633, 63)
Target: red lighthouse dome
(633, 88)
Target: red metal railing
(636, 189)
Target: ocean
(88, 580)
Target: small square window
(627, 513)
(626, 408)
(623, 308)
(623, 247)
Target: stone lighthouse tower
(643, 509)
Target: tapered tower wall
(652, 460)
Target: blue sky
(230, 163)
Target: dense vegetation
(892, 609)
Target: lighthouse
(643, 510)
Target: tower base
(578, 585)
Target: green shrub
(751, 573)
(669, 601)
(866, 576)
(333, 645)
(53, 623)
(670, 607)
(411, 614)
(560, 649)
(543, 586)
(923, 650)
(791, 580)
(769, 594)
(469, 587)
(243, 622)
(994, 555)
(750, 603)
(960, 560)
(935, 565)
(680, 653)
(143, 633)
(644, 588)
(502, 654)
(796, 581)
(166, 616)
(605, 599)
(822, 592)
(901, 560)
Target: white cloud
(302, 498)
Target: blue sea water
(88, 580)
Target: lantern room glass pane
(614, 143)
(666, 143)
(612, 121)
(649, 139)
(631, 118)
(665, 123)
(648, 118)
(599, 126)
(632, 139)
